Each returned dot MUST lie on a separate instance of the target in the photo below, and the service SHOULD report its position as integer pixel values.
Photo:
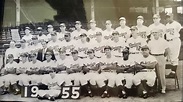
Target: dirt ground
(170, 96)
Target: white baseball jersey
(129, 62)
(92, 33)
(35, 66)
(74, 63)
(143, 31)
(107, 34)
(172, 30)
(64, 62)
(117, 47)
(135, 44)
(158, 46)
(124, 32)
(149, 59)
(61, 34)
(42, 37)
(54, 45)
(35, 47)
(75, 34)
(82, 48)
(22, 67)
(161, 27)
(51, 82)
(51, 63)
(10, 66)
(68, 45)
(13, 51)
(91, 62)
(27, 37)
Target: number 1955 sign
(67, 92)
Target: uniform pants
(124, 76)
(174, 46)
(161, 70)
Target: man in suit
(42, 52)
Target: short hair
(107, 47)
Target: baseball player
(63, 79)
(49, 64)
(33, 70)
(159, 49)
(11, 50)
(172, 36)
(53, 88)
(74, 70)
(91, 69)
(21, 70)
(50, 30)
(135, 42)
(142, 29)
(93, 30)
(23, 48)
(34, 45)
(108, 72)
(157, 24)
(9, 75)
(117, 43)
(109, 30)
(28, 35)
(146, 75)
(98, 44)
(61, 34)
(68, 44)
(82, 45)
(124, 31)
(125, 73)
(41, 35)
(76, 33)
(54, 44)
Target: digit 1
(25, 91)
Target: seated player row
(91, 71)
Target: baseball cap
(107, 47)
(53, 33)
(34, 37)
(39, 28)
(115, 33)
(83, 35)
(50, 26)
(122, 18)
(144, 47)
(23, 55)
(22, 41)
(78, 22)
(169, 15)
(48, 53)
(98, 33)
(74, 52)
(10, 55)
(67, 34)
(156, 16)
(90, 51)
(62, 24)
(27, 28)
(92, 21)
(61, 50)
(133, 28)
(125, 50)
(140, 17)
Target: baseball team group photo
(73, 59)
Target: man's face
(108, 25)
(62, 55)
(44, 44)
(134, 32)
(62, 27)
(48, 56)
(98, 37)
(156, 19)
(115, 36)
(27, 31)
(10, 59)
(50, 29)
(75, 55)
(145, 52)
(125, 55)
(22, 44)
(92, 25)
(67, 37)
(24, 58)
(156, 35)
(91, 54)
(52, 74)
(107, 51)
(54, 37)
(140, 21)
(83, 38)
(78, 26)
(12, 44)
(122, 22)
(33, 57)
